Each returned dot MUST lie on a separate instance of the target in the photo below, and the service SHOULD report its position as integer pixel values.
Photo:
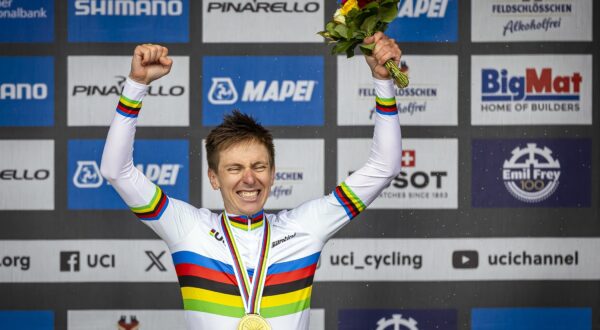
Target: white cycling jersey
(211, 297)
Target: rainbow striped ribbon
(251, 292)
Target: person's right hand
(149, 62)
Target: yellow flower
(348, 6)
(338, 17)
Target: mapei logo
(87, 174)
(128, 7)
(531, 174)
(397, 322)
(224, 92)
(423, 8)
(534, 85)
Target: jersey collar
(245, 222)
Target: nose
(248, 177)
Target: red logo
(408, 158)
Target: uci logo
(87, 175)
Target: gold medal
(253, 322)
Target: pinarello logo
(408, 158)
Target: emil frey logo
(535, 85)
(87, 175)
(531, 175)
(397, 322)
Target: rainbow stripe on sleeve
(129, 108)
(386, 107)
(154, 209)
(209, 286)
(351, 203)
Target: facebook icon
(69, 261)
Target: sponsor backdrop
(491, 225)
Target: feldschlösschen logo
(531, 174)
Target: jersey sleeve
(324, 216)
(169, 218)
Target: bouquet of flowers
(355, 20)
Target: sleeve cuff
(384, 88)
(134, 90)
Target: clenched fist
(385, 49)
(149, 62)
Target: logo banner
(128, 21)
(299, 168)
(542, 20)
(531, 318)
(27, 320)
(27, 21)
(429, 176)
(27, 175)
(410, 319)
(95, 84)
(164, 162)
(430, 100)
(425, 21)
(531, 90)
(253, 21)
(27, 91)
(531, 173)
(278, 91)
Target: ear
(214, 179)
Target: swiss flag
(408, 158)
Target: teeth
(248, 193)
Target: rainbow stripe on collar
(241, 221)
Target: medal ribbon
(251, 292)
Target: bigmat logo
(120, 20)
(531, 89)
(27, 91)
(525, 20)
(221, 20)
(531, 173)
(278, 91)
(27, 21)
(390, 319)
(426, 20)
(27, 320)
(567, 318)
(95, 84)
(431, 98)
(429, 176)
(299, 175)
(164, 162)
(27, 175)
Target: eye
(260, 167)
(233, 169)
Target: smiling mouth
(248, 195)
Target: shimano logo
(128, 7)
(531, 174)
(263, 7)
(542, 85)
(23, 91)
(419, 8)
(223, 91)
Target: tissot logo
(155, 261)
(408, 158)
(465, 259)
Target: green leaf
(372, 5)
(388, 13)
(331, 29)
(369, 24)
(342, 30)
(342, 46)
(367, 49)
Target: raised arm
(145, 199)
(325, 216)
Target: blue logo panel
(27, 91)
(435, 319)
(27, 21)
(278, 91)
(164, 162)
(531, 173)
(425, 21)
(531, 319)
(27, 320)
(128, 21)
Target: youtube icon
(465, 259)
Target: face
(244, 177)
